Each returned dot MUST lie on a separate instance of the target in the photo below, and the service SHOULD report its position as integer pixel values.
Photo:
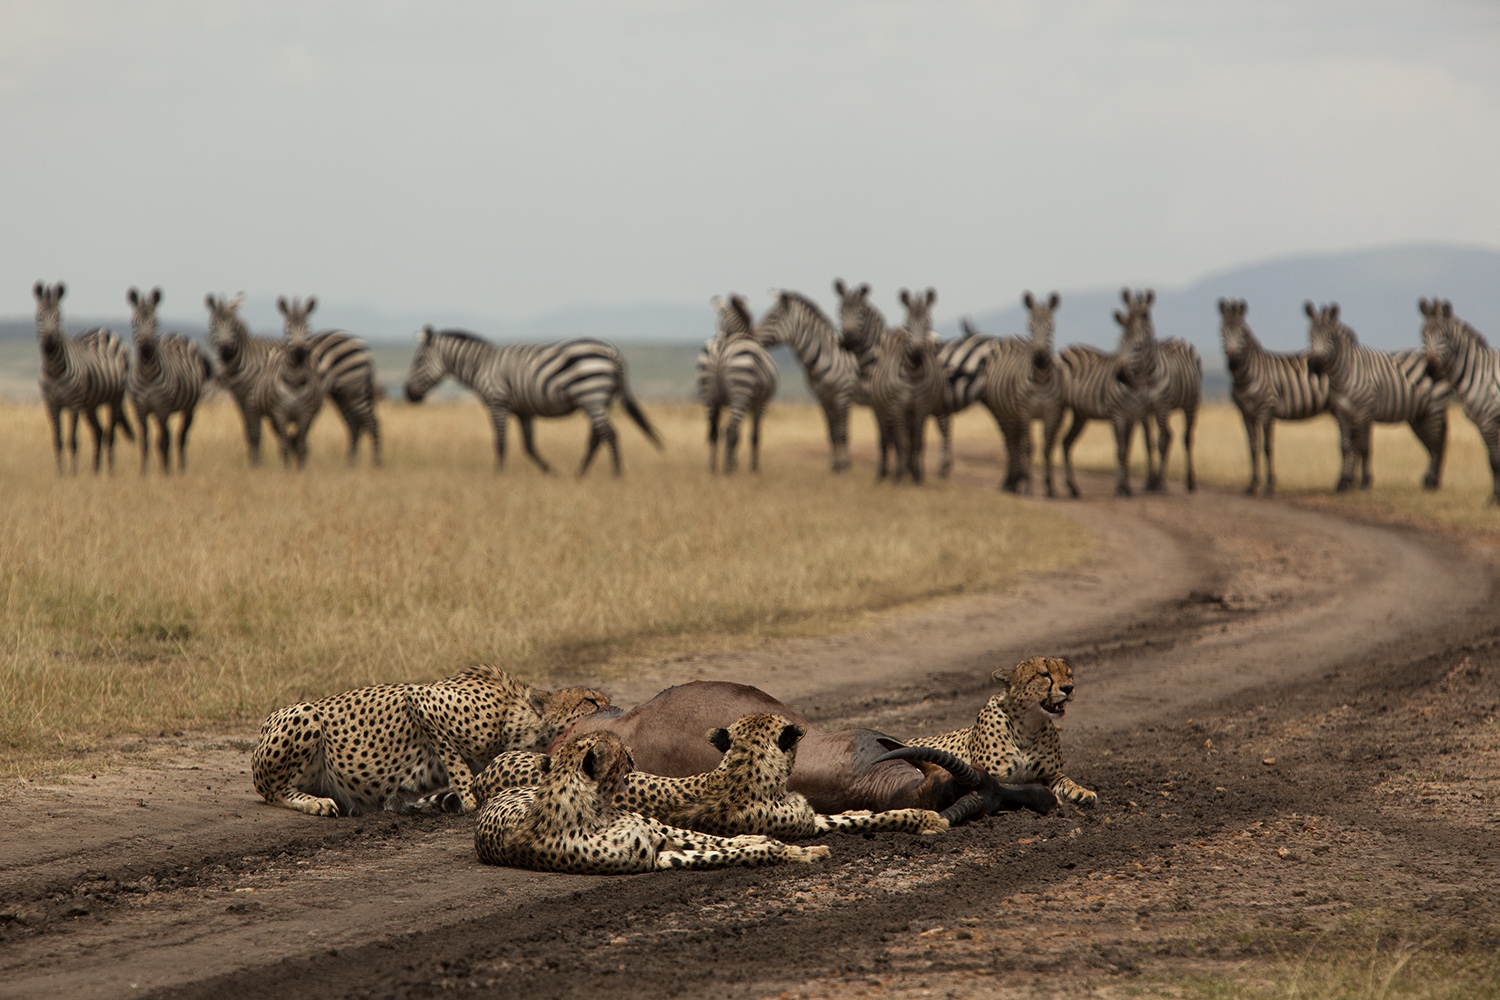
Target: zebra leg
(755, 416)
(838, 433)
(1362, 451)
(142, 418)
(528, 440)
(1015, 473)
(1153, 476)
(1267, 430)
(497, 417)
(1252, 433)
(253, 419)
(1051, 424)
(1491, 435)
(1124, 431)
(1074, 429)
(713, 439)
(945, 429)
(164, 442)
(917, 447)
(1190, 418)
(182, 436)
(732, 437)
(54, 417)
(1163, 448)
(98, 431)
(1347, 435)
(73, 437)
(1433, 433)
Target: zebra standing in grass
(1097, 385)
(531, 380)
(832, 370)
(243, 360)
(1020, 382)
(1367, 386)
(1175, 383)
(80, 374)
(293, 388)
(734, 371)
(1266, 387)
(166, 378)
(347, 370)
(906, 385)
(1459, 355)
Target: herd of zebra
(905, 374)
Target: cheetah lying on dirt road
(387, 746)
(746, 793)
(568, 823)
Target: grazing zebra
(531, 380)
(347, 370)
(243, 361)
(1459, 355)
(1367, 386)
(832, 370)
(80, 374)
(1175, 382)
(734, 371)
(1020, 382)
(1100, 386)
(906, 385)
(1266, 387)
(293, 387)
(166, 378)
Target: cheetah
(745, 794)
(402, 746)
(1014, 738)
(569, 823)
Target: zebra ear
(1225, 308)
(717, 302)
(931, 295)
(906, 298)
(1125, 296)
(1423, 307)
(312, 303)
(134, 297)
(1307, 307)
(1333, 311)
(208, 300)
(236, 302)
(1447, 309)
(1028, 301)
(156, 296)
(720, 739)
(863, 290)
(1121, 318)
(425, 335)
(281, 304)
(1150, 297)
(40, 291)
(1053, 301)
(838, 286)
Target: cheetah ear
(589, 765)
(545, 764)
(790, 734)
(1001, 676)
(720, 739)
(538, 700)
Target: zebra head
(1327, 338)
(1439, 336)
(1041, 322)
(428, 366)
(49, 328)
(143, 318)
(919, 312)
(860, 323)
(227, 333)
(1140, 361)
(1234, 333)
(734, 317)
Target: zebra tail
(634, 409)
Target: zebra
(832, 370)
(1266, 387)
(292, 385)
(167, 377)
(906, 385)
(734, 371)
(1367, 386)
(347, 371)
(80, 374)
(531, 380)
(1096, 385)
(1175, 383)
(241, 362)
(1460, 356)
(1018, 380)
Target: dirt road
(1263, 688)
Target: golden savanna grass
(136, 603)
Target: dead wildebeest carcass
(837, 771)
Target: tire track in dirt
(1193, 607)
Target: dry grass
(1307, 465)
(133, 604)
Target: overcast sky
(509, 160)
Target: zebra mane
(808, 304)
(463, 335)
(1471, 332)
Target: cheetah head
(1040, 686)
(767, 743)
(596, 759)
(561, 708)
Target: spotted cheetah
(569, 823)
(1014, 738)
(390, 745)
(746, 793)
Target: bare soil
(1290, 717)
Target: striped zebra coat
(1266, 387)
(1173, 381)
(531, 380)
(347, 371)
(734, 372)
(293, 386)
(1367, 386)
(832, 370)
(242, 364)
(1021, 383)
(167, 377)
(906, 385)
(1100, 386)
(1460, 356)
(79, 375)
